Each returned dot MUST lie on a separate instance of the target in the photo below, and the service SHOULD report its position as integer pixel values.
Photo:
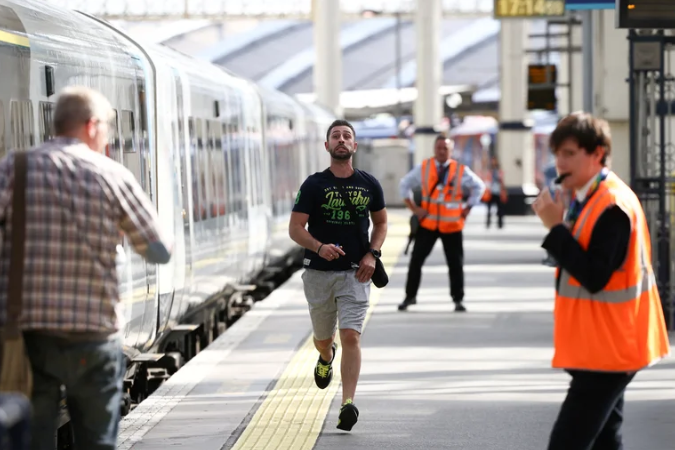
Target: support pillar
(610, 85)
(328, 65)
(587, 54)
(428, 106)
(515, 143)
(570, 70)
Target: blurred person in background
(444, 183)
(495, 192)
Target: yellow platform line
(292, 415)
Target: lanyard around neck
(576, 206)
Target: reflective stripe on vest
(569, 289)
(620, 328)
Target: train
(221, 158)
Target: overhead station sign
(572, 5)
(645, 13)
(528, 9)
(542, 80)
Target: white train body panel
(221, 159)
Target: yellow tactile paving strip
(292, 415)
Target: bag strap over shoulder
(16, 265)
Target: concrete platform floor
(431, 378)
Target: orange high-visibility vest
(621, 328)
(444, 206)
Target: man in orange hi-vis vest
(444, 183)
(608, 317)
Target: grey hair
(76, 106)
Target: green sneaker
(323, 372)
(349, 415)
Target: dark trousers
(92, 373)
(592, 414)
(497, 201)
(454, 256)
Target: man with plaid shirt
(78, 202)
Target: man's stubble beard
(341, 156)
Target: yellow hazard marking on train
(292, 415)
(15, 39)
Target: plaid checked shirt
(77, 202)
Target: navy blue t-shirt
(331, 222)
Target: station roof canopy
(364, 103)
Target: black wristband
(317, 252)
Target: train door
(199, 193)
(250, 178)
(218, 191)
(227, 187)
(239, 186)
(192, 166)
(171, 276)
(210, 193)
(180, 160)
(135, 263)
(227, 184)
(234, 177)
(115, 151)
(148, 164)
(134, 159)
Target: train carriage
(220, 157)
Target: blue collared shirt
(470, 183)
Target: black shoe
(349, 415)
(459, 307)
(323, 371)
(407, 302)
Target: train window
(233, 168)
(209, 169)
(23, 130)
(216, 158)
(194, 169)
(46, 120)
(253, 174)
(271, 137)
(235, 158)
(258, 198)
(182, 150)
(2, 130)
(227, 169)
(114, 138)
(203, 199)
(128, 132)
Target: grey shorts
(332, 295)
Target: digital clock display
(505, 9)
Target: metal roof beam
(151, 10)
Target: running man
(338, 269)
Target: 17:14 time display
(529, 8)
